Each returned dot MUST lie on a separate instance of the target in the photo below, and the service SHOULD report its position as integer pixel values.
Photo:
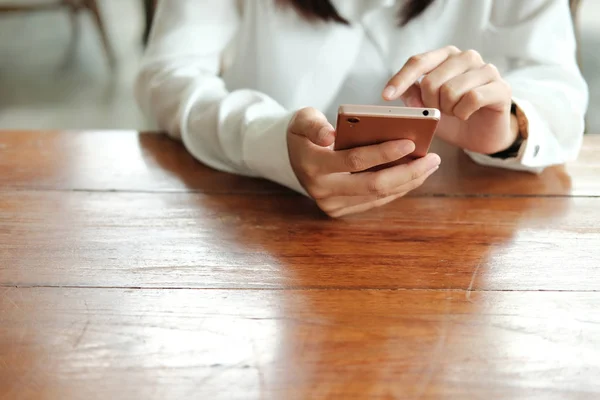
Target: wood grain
(111, 161)
(129, 270)
(346, 344)
(128, 161)
(208, 241)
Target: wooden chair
(75, 6)
(149, 9)
(574, 4)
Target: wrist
(518, 133)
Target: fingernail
(434, 162)
(389, 91)
(325, 133)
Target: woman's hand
(326, 174)
(474, 99)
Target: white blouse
(364, 83)
(226, 76)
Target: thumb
(313, 125)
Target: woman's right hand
(327, 174)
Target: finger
(383, 183)
(361, 205)
(412, 96)
(496, 95)
(313, 125)
(365, 157)
(415, 67)
(454, 66)
(453, 90)
(339, 206)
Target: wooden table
(128, 270)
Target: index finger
(416, 67)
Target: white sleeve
(241, 132)
(537, 41)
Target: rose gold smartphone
(359, 125)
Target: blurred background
(58, 75)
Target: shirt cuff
(266, 151)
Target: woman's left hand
(474, 99)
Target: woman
(233, 80)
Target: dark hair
(325, 11)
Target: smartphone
(361, 125)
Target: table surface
(128, 270)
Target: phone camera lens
(425, 113)
(353, 120)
